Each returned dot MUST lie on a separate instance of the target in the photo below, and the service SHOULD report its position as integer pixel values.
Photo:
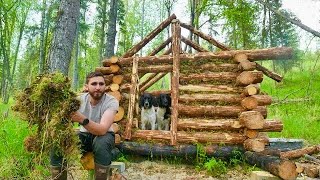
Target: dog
(147, 104)
(163, 111)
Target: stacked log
(114, 79)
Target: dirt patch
(159, 170)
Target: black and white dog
(147, 104)
(163, 111)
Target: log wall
(215, 95)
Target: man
(96, 115)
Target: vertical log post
(133, 92)
(176, 40)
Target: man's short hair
(93, 74)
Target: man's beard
(97, 95)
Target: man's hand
(77, 117)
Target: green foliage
(46, 105)
(215, 167)
(297, 101)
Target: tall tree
(112, 31)
(64, 36)
(42, 37)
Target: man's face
(96, 87)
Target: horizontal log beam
(211, 88)
(253, 55)
(215, 111)
(204, 77)
(190, 137)
(182, 150)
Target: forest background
(29, 46)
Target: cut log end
(249, 103)
(252, 120)
(255, 145)
(119, 114)
(287, 170)
(117, 79)
(240, 57)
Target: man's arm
(93, 127)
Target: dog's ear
(155, 101)
(169, 99)
(141, 101)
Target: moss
(46, 105)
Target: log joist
(253, 55)
(216, 111)
(190, 137)
(211, 88)
(225, 125)
(262, 100)
(204, 77)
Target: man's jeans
(101, 146)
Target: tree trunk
(42, 39)
(111, 32)
(282, 168)
(75, 78)
(103, 27)
(64, 36)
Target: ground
(162, 170)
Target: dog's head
(164, 100)
(146, 101)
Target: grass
(297, 102)
(297, 105)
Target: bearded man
(96, 115)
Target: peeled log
(218, 76)
(117, 138)
(190, 137)
(115, 94)
(272, 126)
(219, 67)
(299, 152)
(251, 133)
(249, 103)
(263, 100)
(251, 89)
(240, 57)
(115, 127)
(210, 88)
(112, 87)
(247, 65)
(119, 114)
(209, 124)
(117, 79)
(214, 111)
(282, 168)
(251, 119)
(110, 61)
(255, 145)
(230, 98)
(311, 170)
(108, 70)
(249, 77)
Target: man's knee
(102, 147)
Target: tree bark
(189, 137)
(203, 77)
(64, 36)
(209, 124)
(214, 111)
(111, 31)
(192, 44)
(282, 168)
(299, 152)
(181, 150)
(211, 88)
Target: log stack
(215, 95)
(114, 79)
